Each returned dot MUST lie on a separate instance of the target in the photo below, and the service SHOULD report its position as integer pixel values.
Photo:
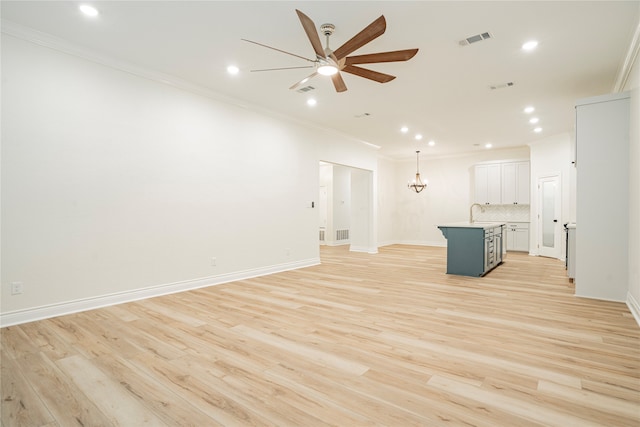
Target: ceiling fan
(332, 62)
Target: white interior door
(549, 215)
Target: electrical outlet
(287, 252)
(16, 288)
(214, 261)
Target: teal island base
(473, 249)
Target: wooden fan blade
(338, 83)
(312, 33)
(279, 50)
(372, 58)
(368, 74)
(372, 31)
(303, 81)
(282, 68)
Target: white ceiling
(442, 93)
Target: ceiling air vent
(306, 89)
(475, 39)
(501, 85)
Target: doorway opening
(345, 207)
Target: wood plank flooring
(360, 340)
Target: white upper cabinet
(488, 184)
(515, 183)
(502, 183)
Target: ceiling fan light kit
(330, 63)
(327, 69)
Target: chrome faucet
(471, 211)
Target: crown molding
(62, 45)
(629, 62)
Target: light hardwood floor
(385, 339)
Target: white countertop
(475, 224)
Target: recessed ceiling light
(88, 10)
(418, 137)
(311, 102)
(529, 109)
(233, 70)
(404, 129)
(431, 143)
(537, 130)
(534, 120)
(488, 145)
(530, 45)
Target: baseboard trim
(634, 307)
(337, 243)
(597, 298)
(439, 244)
(60, 309)
(364, 249)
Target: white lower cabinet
(517, 236)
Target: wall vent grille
(475, 39)
(322, 235)
(501, 85)
(342, 234)
(306, 89)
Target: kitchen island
(473, 249)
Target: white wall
(552, 156)
(325, 205)
(386, 201)
(116, 187)
(602, 210)
(337, 180)
(447, 197)
(633, 298)
(363, 223)
(341, 199)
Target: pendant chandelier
(417, 184)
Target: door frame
(362, 233)
(556, 251)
